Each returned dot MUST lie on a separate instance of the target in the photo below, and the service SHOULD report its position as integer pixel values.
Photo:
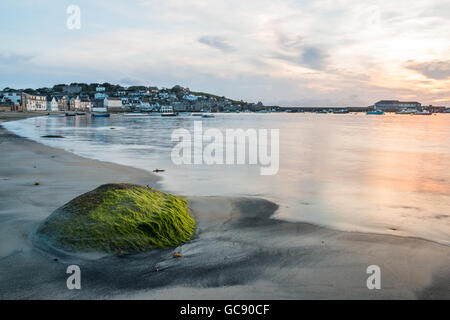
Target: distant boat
(197, 114)
(341, 111)
(208, 115)
(375, 112)
(423, 113)
(101, 115)
(184, 114)
(56, 115)
(321, 111)
(405, 111)
(70, 114)
(80, 113)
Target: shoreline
(276, 215)
(239, 252)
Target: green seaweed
(120, 218)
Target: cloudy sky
(303, 52)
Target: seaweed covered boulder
(119, 218)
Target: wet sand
(239, 252)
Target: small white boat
(423, 113)
(405, 111)
(184, 114)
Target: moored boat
(404, 111)
(423, 113)
(341, 111)
(101, 115)
(375, 112)
(208, 115)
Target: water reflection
(386, 174)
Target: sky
(283, 52)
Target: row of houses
(56, 103)
(73, 97)
(65, 103)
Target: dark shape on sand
(118, 218)
(158, 170)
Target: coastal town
(114, 98)
(109, 98)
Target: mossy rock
(119, 218)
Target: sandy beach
(239, 251)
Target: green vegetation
(119, 218)
(209, 95)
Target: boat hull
(106, 115)
(168, 114)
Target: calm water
(384, 174)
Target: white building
(86, 105)
(63, 103)
(34, 102)
(52, 104)
(100, 89)
(166, 109)
(190, 97)
(75, 103)
(143, 105)
(114, 104)
(100, 95)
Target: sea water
(353, 172)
